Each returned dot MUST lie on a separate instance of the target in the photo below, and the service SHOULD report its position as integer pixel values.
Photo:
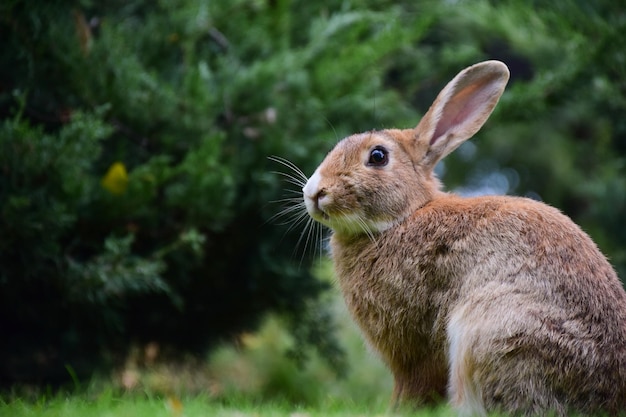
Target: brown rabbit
(499, 303)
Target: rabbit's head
(370, 181)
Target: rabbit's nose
(316, 198)
(320, 198)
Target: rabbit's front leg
(420, 384)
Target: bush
(136, 183)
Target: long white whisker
(288, 210)
(363, 226)
(294, 200)
(298, 221)
(357, 224)
(298, 193)
(331, 126)
(367, 229)
(292, 221)
(320, 239)
(287, 163)
(306, 232)
(344, 220)
(291, 178)
(293, 213)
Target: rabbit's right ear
(461, 109)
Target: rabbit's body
(476, 306)
(498, 303)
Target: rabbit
(497, 303)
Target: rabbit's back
(505, 296)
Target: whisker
(367, 229)
(297, 192)
(298, 221)
(293, 213)
(331, 126)
(363, 226)
(288, 210)
(287, 163)
(291, 179)
(306, 232)
(320, 239)
(295, 200)
(292, 222)
(293, 216)
(358, 225)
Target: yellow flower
(115, 180)
(175, 406)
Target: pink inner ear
(460, 107)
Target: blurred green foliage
(183, 101)
(136, 183)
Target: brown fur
(500, 303)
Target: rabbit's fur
(498, 303)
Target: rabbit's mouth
(320, 212)
(348, 222)
(317, 213)
(325, 216)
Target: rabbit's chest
(388, 297)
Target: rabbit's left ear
(461, 109)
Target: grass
(254, 376)
(109, 405)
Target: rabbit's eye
(378, 157)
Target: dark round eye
(378, 157)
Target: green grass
(108, 405)
(253, 377)
(256, 378)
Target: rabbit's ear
(461, 109)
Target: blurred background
(136, 189)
